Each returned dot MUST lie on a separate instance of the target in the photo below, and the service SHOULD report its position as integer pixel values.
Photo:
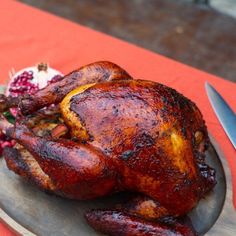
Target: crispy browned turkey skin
(120, 223)
(131, 135)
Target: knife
(223, 111)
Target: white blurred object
(42, 73)
(225, 6)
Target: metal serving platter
(28, 211)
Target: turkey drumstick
(52, 94)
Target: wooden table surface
(193, 34)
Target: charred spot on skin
(175, 113)
(164, 99)
(75, 74)
(184, 131)
(177, 188)
(115, 110)
(171, 171)
(163, 113)
(164, 108)
(106, 76)
(75, 139)
(106, 172)
(144, 140)
(187, 181)
(91, 138)
(168, 220)
(154, 122)
(56, 90)
(139, 145)
(127, 155)
(107, 151)
(118, 130)
(83, 141)
(160, 151)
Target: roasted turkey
(119, 134)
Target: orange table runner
(29, 36)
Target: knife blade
(223, 112)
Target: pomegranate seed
(22, 84)
(25, 73)
(13, 142)
(6, 144)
